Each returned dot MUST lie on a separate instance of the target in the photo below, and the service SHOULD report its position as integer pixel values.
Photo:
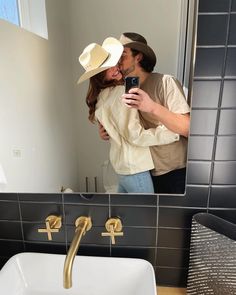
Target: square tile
(223, 196)
(198, 172)
(172, 257)
(213, 5)
(212, 29)
(228, 98)
(200, 147)
(231, 62)
(9, 211)
(196, 196)
(135, 216)
(176, 217)
(227, 122)
(176, 277)
(10, 230)
(226, 148)
(98, 214)
(232, 26)
(224, 172)
(206, 93)
(203, 122)
(174, 238)
(209, 62)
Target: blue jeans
(136, 183)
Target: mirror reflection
(49, 144)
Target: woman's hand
(102, 132)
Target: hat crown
(93, 56)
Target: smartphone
(131, 82)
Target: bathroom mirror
(47, 141)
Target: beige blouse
(129, 151)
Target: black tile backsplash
(228, 97)
(172, 257)
(205, 94)
(232, 35)
(174, 237)
(223, 196)
(146, 253)
(136, 216)
(226, 148)
(156, 228)
(231, 62)
(214, 5)
(98, 214)
(206, 143)
(227, 122)
(224, 172)
(209, 62)
(9, 211)
(198, 172)
(212, 29)
(203, 122)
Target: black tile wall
(206, 143)
(214, 5)
(205, 94)
(156, 228)
(212, 29)
(209, 62)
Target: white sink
(37, 274)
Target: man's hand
(138, 99)
(102, 132)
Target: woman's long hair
(96, 84)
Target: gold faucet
(83, 224)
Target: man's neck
(143, 76)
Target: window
(9, 11)
(28, 14)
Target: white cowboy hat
(96, 58)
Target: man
(160, 100)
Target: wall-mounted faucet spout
(83, 224)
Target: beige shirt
(167, 91)
(129, 151)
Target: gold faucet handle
(53, 224)
(114, 229)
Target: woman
(129, 152)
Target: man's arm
(139, 99)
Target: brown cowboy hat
(139, 43)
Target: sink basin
(38, 273)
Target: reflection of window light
(9, 11)
(28, 14)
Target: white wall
(93, 21)
(36, 113)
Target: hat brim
(144, 48)
(115, 50)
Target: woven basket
(212, 265)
